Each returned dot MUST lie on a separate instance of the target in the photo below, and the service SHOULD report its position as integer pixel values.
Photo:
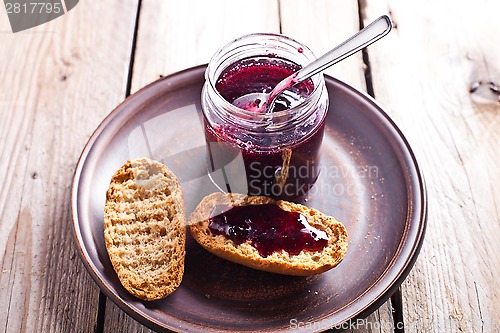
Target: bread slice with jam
(237, 242)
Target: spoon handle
(371, 33)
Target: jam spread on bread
(268, 228)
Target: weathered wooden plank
(58, 81)
(422, 72)
(118, 321)
(321, 26)
(175, 35)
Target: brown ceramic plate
(369, 180)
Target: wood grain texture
(58, 81)
(423, 73)
(173, 36)
(176, 35)
(379, 321)
(118, 321)
(323, 26)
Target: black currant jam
(268, 228)
(274, 153)
(261, 75)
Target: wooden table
(436, 74)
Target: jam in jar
(274, 153)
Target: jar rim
(262, 40)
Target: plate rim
(418, 232)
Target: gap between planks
(396, 300)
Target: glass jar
(275, 154)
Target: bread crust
(145, 228)
(303, 264)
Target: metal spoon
(263, 102)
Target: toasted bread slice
(305, 263)
(145, 228)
